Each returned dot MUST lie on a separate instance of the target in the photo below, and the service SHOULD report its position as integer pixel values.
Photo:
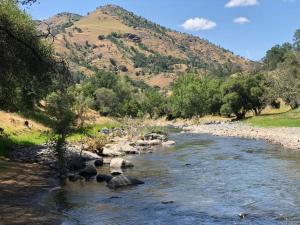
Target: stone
(119, 163)
(105, 131)
(112, 151)
(88, 171)
(155, 136)
(168, 143)
(148, 143)
(123, 181)
(98, 162)
(75, 177)
(116, 172)
(243, 215)
(103, 177)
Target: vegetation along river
(202, 180)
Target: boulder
(88, 171)
(105, 131)
(75, 177)
(148, 143)
(168, 143)
(128, 149)
(74, 152)
(112, 151)
(75, 163)
(117, 164)
(103, 177)
(122, 181)
(98, 162)
(155, 136)
(116, 172)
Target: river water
(201, 180)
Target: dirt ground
(22, 189)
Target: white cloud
(241, 3)
(241, 20)
(195, 24)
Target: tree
(277, 55)
(287, 80)
(297, 40)
(28, 68)
(243, 93)
(195, 96)
(153, 102)
(105, 101)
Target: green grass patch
(21, 140)
(286, 119)
(91, 130)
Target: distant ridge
(115, 39)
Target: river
(202, 180)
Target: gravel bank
(287, 137)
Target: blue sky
(247, 27)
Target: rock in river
(88, 171)
(103, 177)
(118, 163)
(122, 181)
(98, 162)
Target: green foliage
(287, 80)
(60, 109)
(110, 95)
(26, 71)
(105, 101)
(153, 103)
(195, 96)
(244, 93)
(155, 63)
(277, 55)
(296, 43)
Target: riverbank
(288, 137)
(23, 186)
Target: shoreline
(287, 137)
(23, 188)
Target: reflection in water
(205, 180)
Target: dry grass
(14, 122)
(100, 22)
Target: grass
(17, 134)
(290, 118)
(90, 130)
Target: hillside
(114, 39)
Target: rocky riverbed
(287, 137)
(82, 164)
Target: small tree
(60, 107)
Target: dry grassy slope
(80, 43)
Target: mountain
(114, 39)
